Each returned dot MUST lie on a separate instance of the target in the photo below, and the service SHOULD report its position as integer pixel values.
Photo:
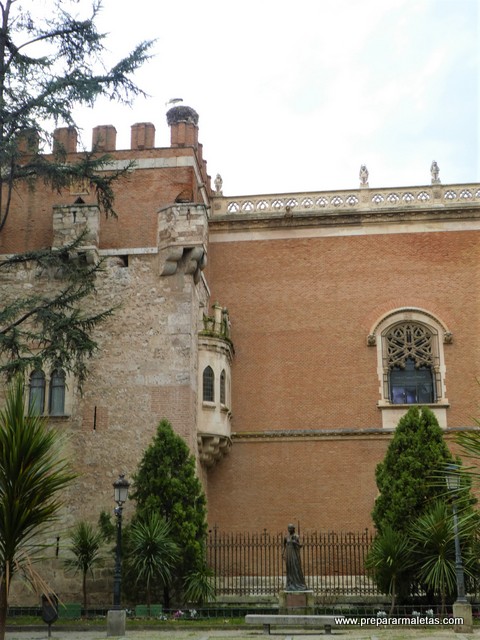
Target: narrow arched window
(36, 397)
(208, 385)
(222, 387)
(56, 404)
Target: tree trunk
(84, 587)
(3, 607)
(166, 598)
(394, 595)
(444, 602)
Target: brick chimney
(65, 139)
(183, 123)
(143, 136)
(28, 141)
(104, 138)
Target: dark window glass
(57, 393)
(411, 385)
(36, 398)
(222, 387)
(208, 384)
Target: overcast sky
(295, 96)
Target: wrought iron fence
(251, 563)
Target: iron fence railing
(251, 563)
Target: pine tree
(166, 483)
(51, 61)
(407, 479)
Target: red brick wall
(325, 484)
(139, 196)
(301, 310)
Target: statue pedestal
(296, 602)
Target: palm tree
(198, 586)
(85, 546)
(32, 478)
(469, 441)
(152, 554)
(434, 547)
(389, 560)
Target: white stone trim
(150, 163)
(128, 251)
(343, 230)
(391, 413)
(160, 163)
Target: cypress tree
(408, 478)
(166, 483)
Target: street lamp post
(461, 607)
(120, 488)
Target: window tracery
(411, 364)
(411, 367)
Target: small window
(36, 398)
(57, 393)
(208, 385)
(222, 387)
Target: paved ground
(251, 634)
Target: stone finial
(363, 175)
(435, 172)
(218, 185)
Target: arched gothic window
(56, 404)
(36, 396)
(222, 387)
(411, 361)
(411, 368)
(208, 385)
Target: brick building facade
(343, 309)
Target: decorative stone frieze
(349, 201)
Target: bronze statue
(291, 554)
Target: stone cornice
(329, 434)
(341, 218)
